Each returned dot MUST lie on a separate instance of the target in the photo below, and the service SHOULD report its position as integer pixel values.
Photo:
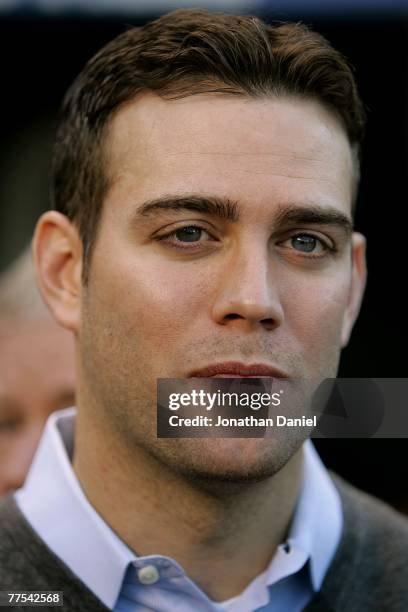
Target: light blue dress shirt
(55, 505)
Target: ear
(357, 285)
(57, 254)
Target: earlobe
(57, 254)
(357, 285)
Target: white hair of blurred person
(36, 370)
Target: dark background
(41, 55)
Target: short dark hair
(183, 53)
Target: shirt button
(148, 574)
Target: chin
(228, 460)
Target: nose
(248, 292)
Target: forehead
(247, 149)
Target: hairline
(102, 147)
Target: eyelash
(178, 244)
(328, 249)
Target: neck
(223, 537)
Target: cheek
(151, 301)
(314, 315)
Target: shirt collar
(54, 503)
(318, 520)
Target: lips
(235, 369)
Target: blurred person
(36, 370)
(205, 177)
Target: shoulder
(27, 564)
(370, 568)
(20, 548)
(13, 547)
(370, 519)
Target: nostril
(268, 323)
(233, 316)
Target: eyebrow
(314, 215)
(223, 208)
(226, 209)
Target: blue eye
(191, 233)
(190, 238)
(308, 246)
(305, 243)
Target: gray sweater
(369, 571)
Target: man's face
(36, 377)
(175, 287)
